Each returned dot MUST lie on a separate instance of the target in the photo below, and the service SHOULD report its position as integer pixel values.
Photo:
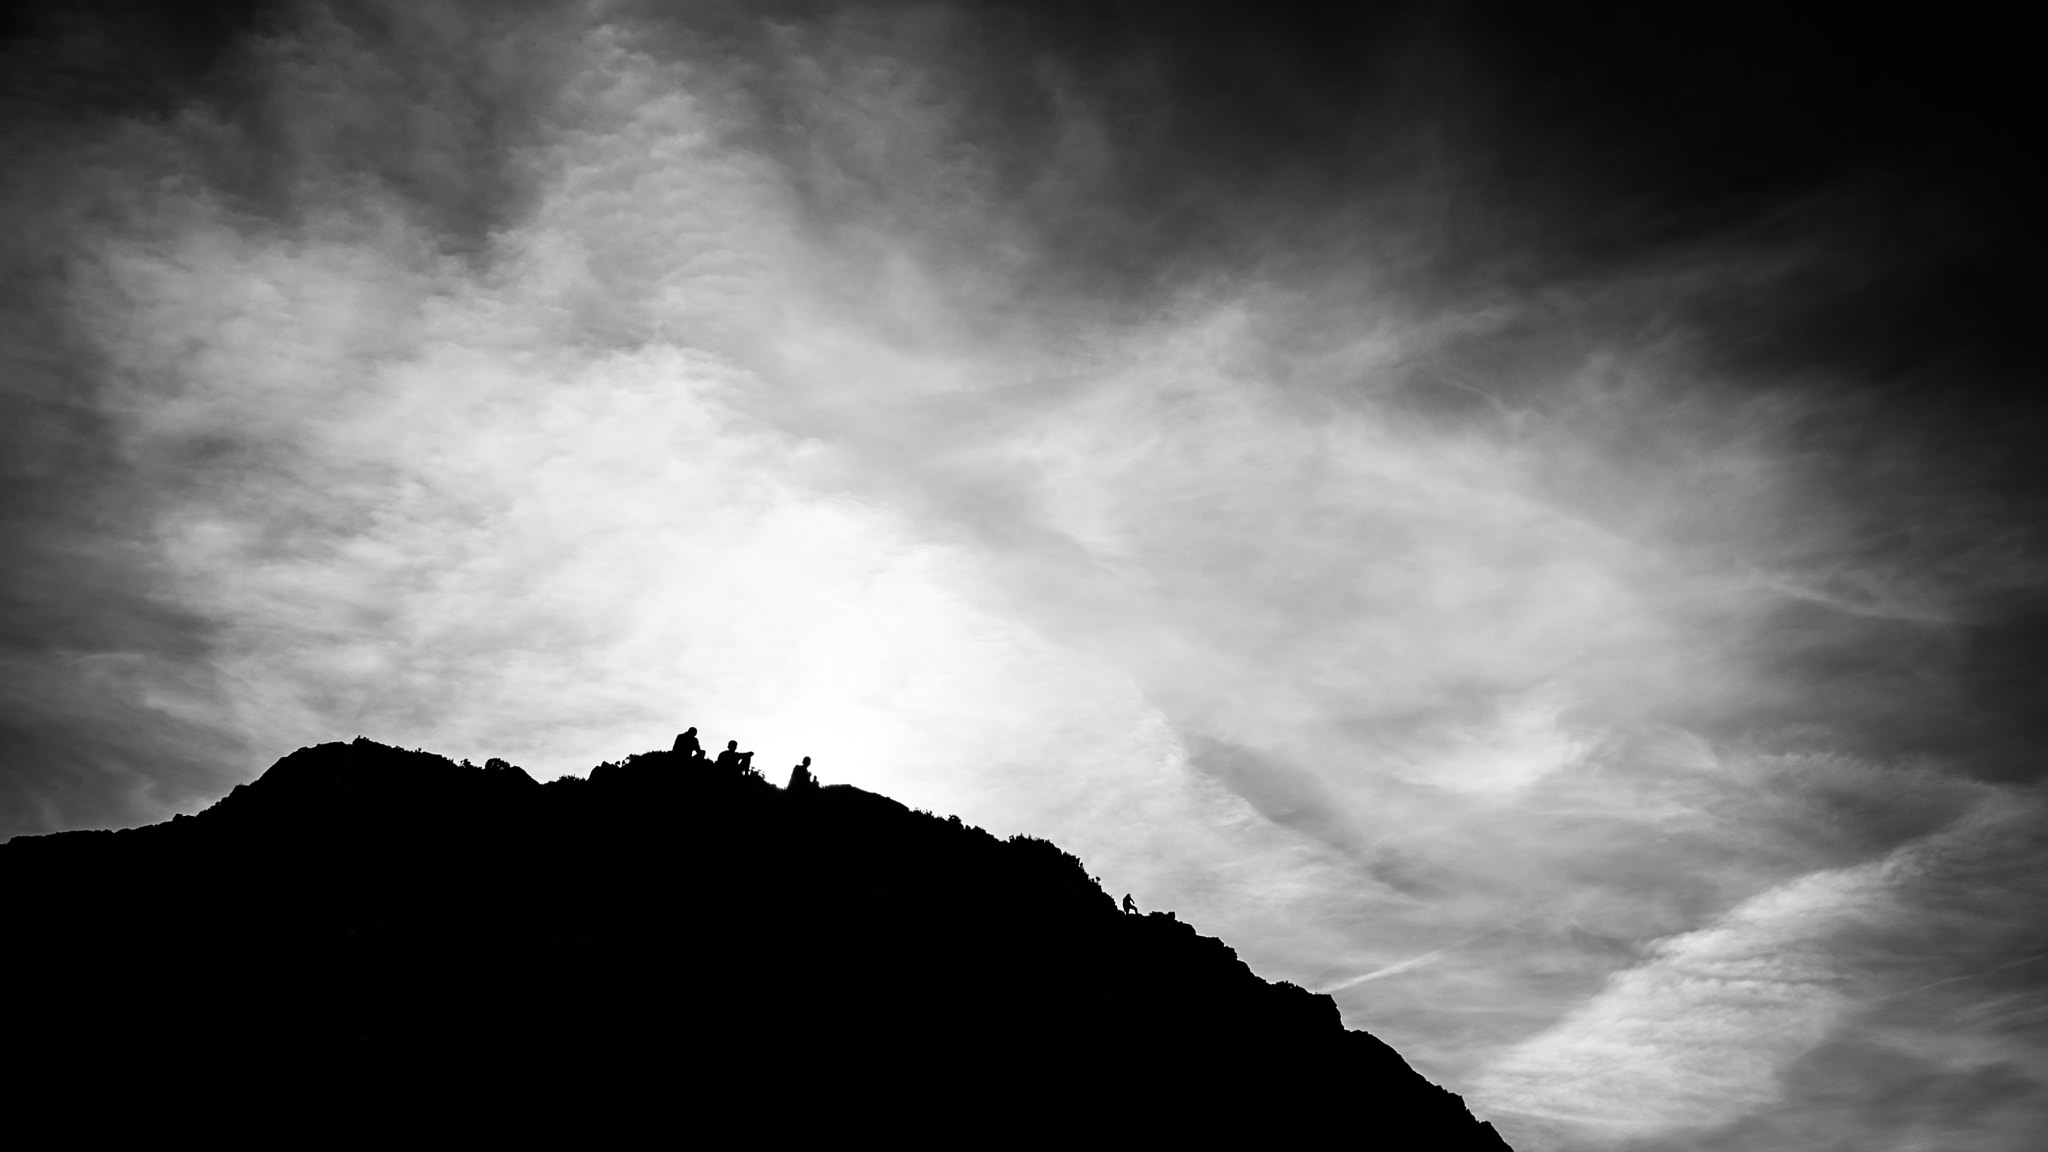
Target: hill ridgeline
(671, 939)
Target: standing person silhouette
(1129, 905)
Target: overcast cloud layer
(1568, 625)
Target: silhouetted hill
(366, 925)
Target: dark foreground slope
(366, 926)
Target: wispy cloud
(1477, 646)
(1697, 1034)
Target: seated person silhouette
(687, 744)
(800, 778)
(729, 759)
(1129, 905)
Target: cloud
(1802, 1015)
(1697, 1035)
(896, 387)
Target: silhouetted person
(687, 744)
(800, 778)
(1129, 904)
(729, 760)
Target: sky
(1525, 521)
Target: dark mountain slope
(365, 925)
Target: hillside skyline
(424, 935)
